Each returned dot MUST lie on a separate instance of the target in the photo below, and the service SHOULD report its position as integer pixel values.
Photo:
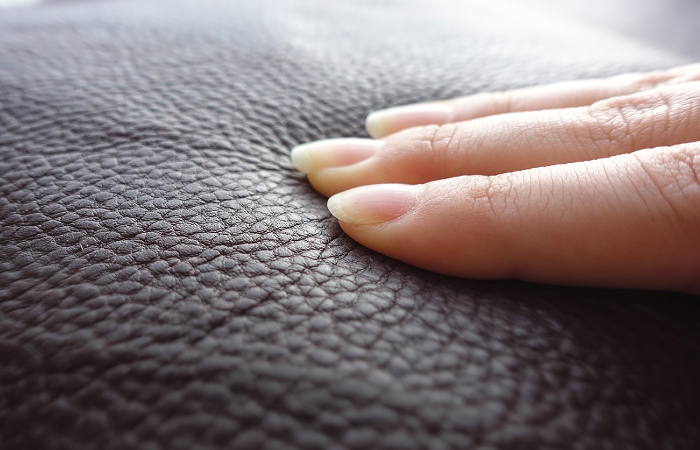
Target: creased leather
(169, 281)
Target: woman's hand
(592, 183)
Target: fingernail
(317, 155)
(374, 204)
(386, 121)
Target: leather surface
(168, 281)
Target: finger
(507, 142)
(554, 96)
(628, 221)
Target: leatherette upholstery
(169, 281)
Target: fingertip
(374, 204)
(314, 156)
(375, 124)
(300, 158)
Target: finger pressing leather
(516, 141)
(631, 221)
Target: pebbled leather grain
(168, 281)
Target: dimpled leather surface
(169, 281)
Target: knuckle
(675, 172)
(504, 101)
(608, 122)
(499, 195)
(684, 166)
(443, 142)
(640, 120)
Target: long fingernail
(317, 155)
(386, 121)
(374, 204)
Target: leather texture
(169, 281)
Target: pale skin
(586, 183)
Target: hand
(593, 183)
